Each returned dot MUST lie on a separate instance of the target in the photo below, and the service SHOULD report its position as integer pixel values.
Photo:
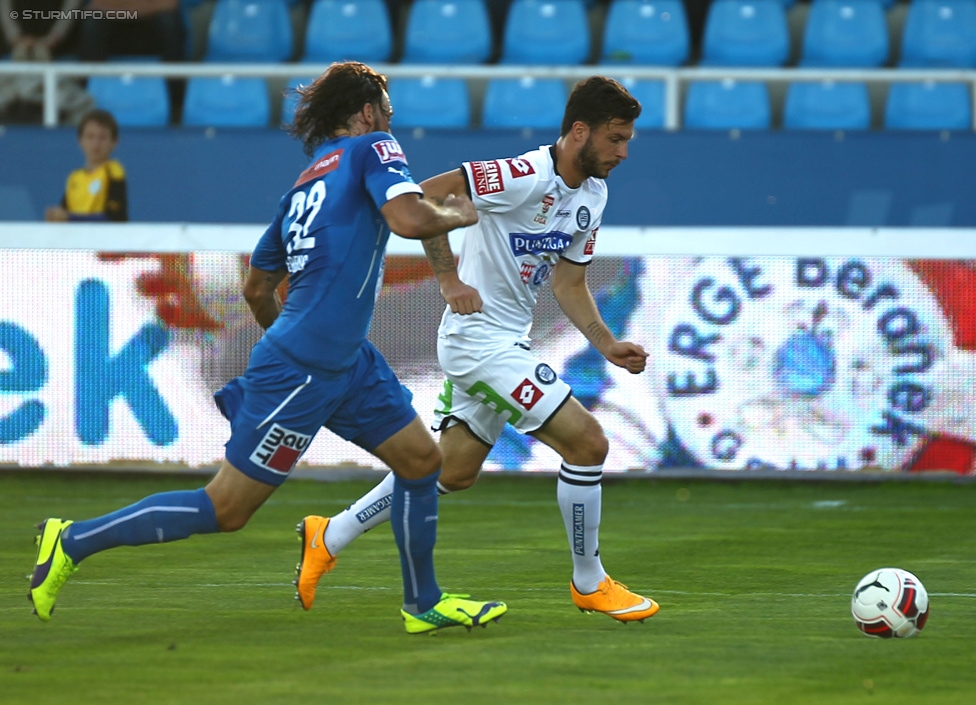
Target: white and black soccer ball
(890, 602)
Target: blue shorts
(275, 409)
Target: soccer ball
(890, 602)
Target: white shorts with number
(490, 385)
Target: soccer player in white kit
(539, 216)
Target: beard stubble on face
(588, 162)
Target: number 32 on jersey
(304, 207)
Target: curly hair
(597, 101)
(326, 105)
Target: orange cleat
(615, 600)
(316, 560)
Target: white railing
(674, 79)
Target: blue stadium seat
(940, 33)
(135, 101)
(290, 100)
(845, 33)
(226, 102)
(524, 103)
(727, 104)
(448, 32)
(646, 32)
(650, 93)
(430, 102)
(929, 106)
(249, 30)
(345, 29)
(745, 33)
(546, 32)
(827, 105)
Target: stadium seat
(845, 33)
(929, 106)
(430, 102)
(727, 104)
(646, 32)
(524, 102)
(448, 32)
(226, 102)
(939, 33)
(651, 97)
(342, 29)
(827, 105)
(290, 100)
(745, 33)
(546, 32)
(135, 101)
(249, 30)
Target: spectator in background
(156, 29)
(97, 190)
(33, 38)
(37, 30)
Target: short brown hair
(598, 100)
(326, 105)
(100, 117)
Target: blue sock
(159, 518)
(413, 517)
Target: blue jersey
(331, 237)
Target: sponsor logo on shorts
(391, 151)
(280, 449)
(545, 374)
(579, 523)
(591, 243)
(519, 168)
(527, 394)
(487, 178)
(583, 217)
(527, 244)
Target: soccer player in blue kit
(314, 366)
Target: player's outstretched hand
(460, 297)
(630, 356)
(464, 207)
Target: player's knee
(591, 447)
(230, 521)
(421, 464)
(456, 482)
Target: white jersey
(528, 220)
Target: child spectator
(96, 191)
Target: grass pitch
(754, 581)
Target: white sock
(370, 510)
(579, 493)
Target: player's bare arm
(261, 294)
(575, 299)
(462, 299)
(415, 218)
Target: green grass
(754, 581)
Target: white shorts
(490, 385)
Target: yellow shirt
(97, 195)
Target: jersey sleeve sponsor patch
(389, 151)
(487, 177)
(520, 167)
(590, 245)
